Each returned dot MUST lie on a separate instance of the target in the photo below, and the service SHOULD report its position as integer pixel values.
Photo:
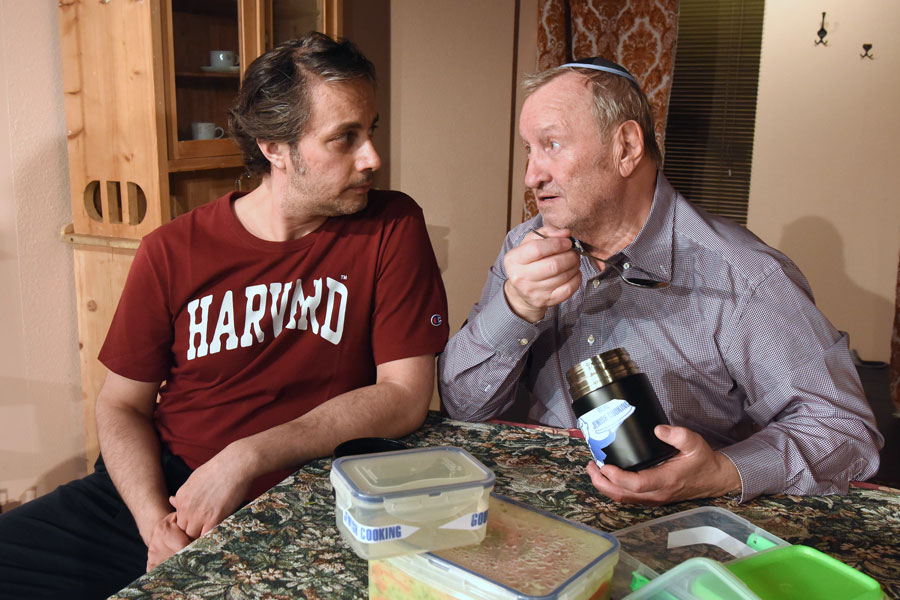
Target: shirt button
(596, 283)
(523, 342)
(590, 339)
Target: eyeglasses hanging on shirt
(641, 282)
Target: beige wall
(41, 425)
(825, 173)
(451, 91)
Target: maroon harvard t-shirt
(248, 334)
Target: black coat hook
(822, 33)
(867, 47)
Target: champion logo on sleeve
(436, 320)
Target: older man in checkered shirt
(759, 387)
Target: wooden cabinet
(197, 89)
(137, 76)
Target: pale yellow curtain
(637, 34)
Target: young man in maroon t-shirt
(253, 334)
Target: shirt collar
(650, 252)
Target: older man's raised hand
(542, 272)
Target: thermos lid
(598, 371)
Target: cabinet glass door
(293, 18)
(206, 45)
(204, 75)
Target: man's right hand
(167, 539)
(541, 273)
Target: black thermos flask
(617, 410)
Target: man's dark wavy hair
(274, 102)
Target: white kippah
(601, 64)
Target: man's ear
(629, 147)
(277, 153)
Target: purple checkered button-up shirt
(735, 349)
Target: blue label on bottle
(599, 426)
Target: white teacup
(206, 131)
(221, 59)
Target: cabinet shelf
(207, 75)
(182, 165)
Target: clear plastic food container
(527, 553)
(659, 545)
(410, 501)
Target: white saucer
(209, 69)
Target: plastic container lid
(800, 572)
(376, 477)
(527, 553)
(695, 579)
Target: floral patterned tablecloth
(286, 545)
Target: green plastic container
(695, 579)
(800, 573)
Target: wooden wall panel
(113, 97)
(100, 274)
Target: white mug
(206, 131)
(221, 59)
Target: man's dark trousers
(77, 542)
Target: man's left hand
(697, 471)
(166, 540)
(212, 492)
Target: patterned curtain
(895, 349)
(637, 34)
